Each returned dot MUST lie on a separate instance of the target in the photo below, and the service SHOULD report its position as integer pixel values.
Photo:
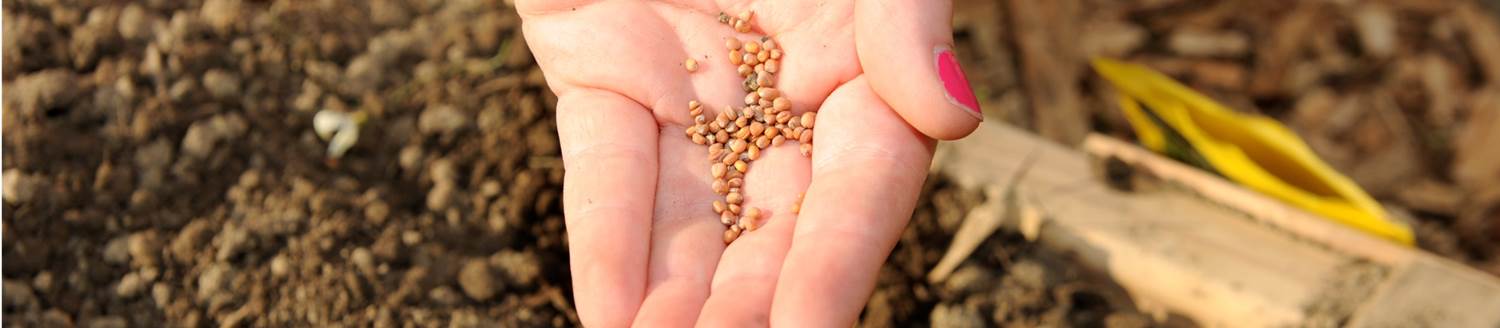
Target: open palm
(645, 247)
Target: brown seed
(742, 122)
(756, 129)
(752, 46)
(733, 209)
(797, 206)
(694, 104)
(735, 183)
(773, 65)
(746, 15)
(742, 134)
(730, 235)
(734, 198)
(718, 170)
(807, 150)
(721, 135)
(727, 218)
(764, 80)
(691, 65)
(735, 57)
(719, 187)
(763, 142)
(719, 207)
(729, 159)
(808, 119)
(806, 137)
(754, 152)
(742, 27)
(715, 151)
(762, 56)
(732, 44)
(775, 53)
(752, 98)
(745, 70)
(782, 104)
(783, 117)
(752, 213)
(741, 166)
(773, 132)
(747, 112)
(737, 145)
(750, 59)
(778, 140)
(699, 139)
(769, 93)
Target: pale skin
(646, 249)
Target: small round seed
(736, 182)
(735, 57)
(762, 56)
(752, 98)
(752, 213)
(737, 145)
(783, 117)
(807, 150)
(727, 218)
(773, 132)
(719, 207)
(742, 134)
(734, 198)
(752, 46)
(778, 140)
(747, 111)
(764, 80)
(730, 158)
(694, 104)
(742, 27)
(691, 65)
(773, 65)
(757, 128)
(699, 139)
(732, 44)
(769, 93)
(750, 59)
(718, 170)
(730, 235)
(775, 53)
(719, 187)
(754, 152)
(715, 151)
(741, 166)
(808, 119)
(763, 142)
(782, 104)
(732, 208)
(746, 15)
(742, 122)
(806, 137)
(721, 135)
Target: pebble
(18, 295)
(441, 119)
(956, 316)
(144, 248)
(476, 279)
(130, 285)
(135, 23)
(162, 294)
(39, 91)
(233, 240)
(521, 268)
(19, 187)
(221, 14)
(221, 84)
(213, 280)
(363, 260)
(189, 240)
(107, 322)
(1028, 273)
(445, 296)
(968, 279)
(280, 266)
(117, 251)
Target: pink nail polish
(954, 81)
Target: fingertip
(906, 51)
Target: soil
(161, 170)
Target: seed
(735, 57)
(734, 197)
(775, 53)
(763, 142)
(797, 206)
(783, 117)
(756, 129)
(731, 44)
(742, 134)
(769, 93)
(806, 137)
(741, 166)
(807, 150)
(715, 151)
(808, 119)
(732, 208)
(718, 170)
(737, 145)
(699, 139)
(735, 183)
(742, 26)
(730, 235)
(773, 132)
(764, 80)
(742, 122)
(782, 104)
(778, 140)
(730, 159)
(752, 215)
(719, 207)
(755, 151)
(752, 98)
(752, 46)
(691, 65)
(772, 65)
(694, 104)
(722, 135)
(719, 187)
(750, 59)
(727, 218)
(762, 56)
(747, 112)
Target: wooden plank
(1166, 248)
(1241, 259)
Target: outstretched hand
(646, 249)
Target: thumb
(906, 50)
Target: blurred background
(161, 165)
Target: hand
(645, 246)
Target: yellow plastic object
(1252, 150)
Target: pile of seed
(737, 136)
